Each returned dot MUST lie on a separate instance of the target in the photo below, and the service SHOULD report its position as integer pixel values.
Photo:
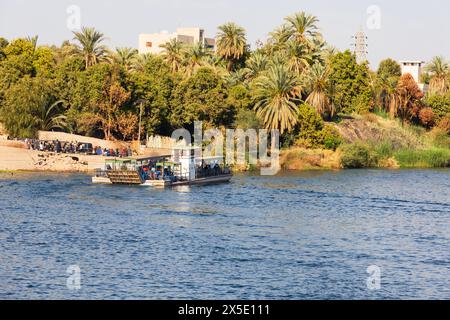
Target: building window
(148, 44)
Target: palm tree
(328, 52)
(299, 57)
(67, 50)
(218, 65)
(172, 54)
(194, 56)
(440, 71)
(126, 57)
(385, 93)
(278, 58)
(303, 27)
(51, 118)
(318, 84)
(256, 64)
(33, 41)
(91, 47)
(141, 61)
(279, 37)
(237, 77)
(275, 96)
(231, 43)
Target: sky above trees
(408, 30)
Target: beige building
(150, 43)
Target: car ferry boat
(183, 167)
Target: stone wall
(160, 142)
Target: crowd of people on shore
(76, 148)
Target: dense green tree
(389, 68)
(86, 95)
(44, 61)
(240, 97)
(17, 63)
(439, 103)
(201, 98)
(247, 119)
(31, 105)
(3, 44)
(313, 132)
(350, 83)
(152, 88)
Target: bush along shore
(331, 110)
(371, 141)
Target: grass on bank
(432, 150)
(428, 158)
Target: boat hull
(165, 183)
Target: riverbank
(18, 159)
(368, 141)
(371, 141)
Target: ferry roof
(143, 158)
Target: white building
(414, 67)
(150, 43)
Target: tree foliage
(31, 105)
(350, 84)
(291, 83)
(409, 98)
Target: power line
(360, 46)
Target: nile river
(309, 235)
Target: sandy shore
(15, 159)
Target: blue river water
(307, 235)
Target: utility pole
(140, 122)
(141, 103)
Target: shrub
(384, 149)
(427, 117)
(444, 124)
(440, 138)
(358, 155)
(440, 104)
(331, 139)
(313, 132)
(310, 127)
(427, 158)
